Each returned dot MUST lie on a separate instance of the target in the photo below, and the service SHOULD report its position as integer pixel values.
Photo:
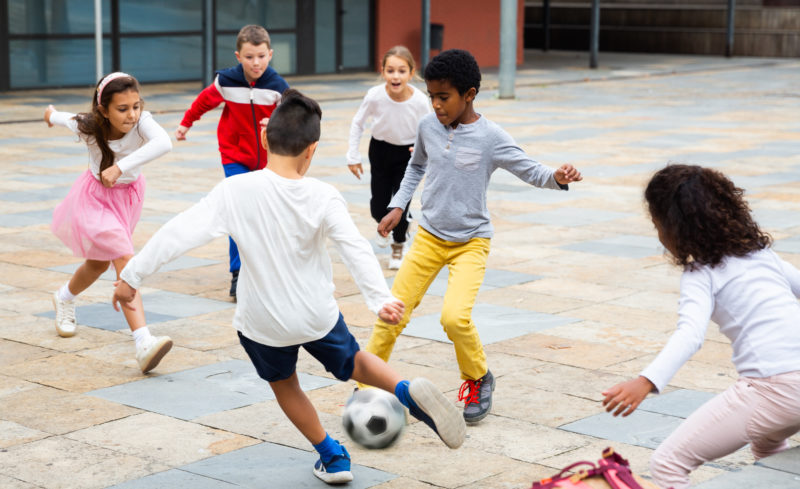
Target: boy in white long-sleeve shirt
(280, 220)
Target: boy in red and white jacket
(251, 91)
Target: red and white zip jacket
(245, 105)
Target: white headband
(106, 81)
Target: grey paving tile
(680, 403)
(642, 428)
(182, 196)
(37, 195)
(786, 461)
(181, 305)
(494, 324)
(752, 476)
(205, 163)
(175, 478)
(752, 182)
(272, 465)
(776, 218)
(103, 316)
(788, 245)
(74, 149)
(59, 162)
(200, 391)
(181, 263)
(676, 140)
(21, 219)
(493, 279)
(626, 245)
(49, 178)
(571, 216)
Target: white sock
(140, 335)
(65, 295)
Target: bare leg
(371, 370)
(86, 275)
(135, 318)
(298, 408)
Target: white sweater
(392, 122)
(142, 144)
(753, 299)
(285, 292)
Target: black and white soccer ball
(373, 418)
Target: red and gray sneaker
(477, 397)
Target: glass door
(342, 35)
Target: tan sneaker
(66, 325)
(397, 256)
(152, 352)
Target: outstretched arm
(191, 228)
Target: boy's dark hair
(294, 124)
(703, 215)
(254, 34)
(457, 67)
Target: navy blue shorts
(336, 351)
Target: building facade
(51, 43)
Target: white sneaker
(66, 325)
(152, 351)
(383, 241)
(398, 251)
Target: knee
(98, 267)
(454, 318)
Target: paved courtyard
(577, 297)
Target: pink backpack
(612, 467)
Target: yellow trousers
(467, 265)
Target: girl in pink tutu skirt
(98, 216)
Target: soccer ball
(373, 418)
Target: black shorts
(336, 351)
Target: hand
(567, 174)
(356, 170)
(180, 133)
(124, 295)
(47, 113)
(110, 175)
(392, 312)
(390, 221)
(627, 396)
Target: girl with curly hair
(731, 276)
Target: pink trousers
(761, 412)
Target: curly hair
(701, 215)
(457, 67)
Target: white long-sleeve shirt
(285, 292)
(142, 144)
(753, 299)
(392, 122)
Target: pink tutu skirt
(96, 222)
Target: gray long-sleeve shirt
(457, 165)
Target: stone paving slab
(493, 279)
(786, 461)
(254, 467)
(680, 403)
(641, 428)
(200, 391)
(752, 476)
(494, 324)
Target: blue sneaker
(335, 470)
(432, 408)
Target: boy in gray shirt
(456, 150)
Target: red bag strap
(550, 482)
